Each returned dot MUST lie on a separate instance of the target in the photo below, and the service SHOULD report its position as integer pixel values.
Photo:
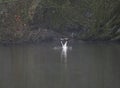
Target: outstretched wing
(62, 43)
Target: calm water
(40, 66)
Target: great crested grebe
(64, 45)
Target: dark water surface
(40, 66)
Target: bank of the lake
(41, 20)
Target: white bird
(64, 46)
(64, 51)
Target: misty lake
(41, 66)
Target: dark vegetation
(46, 20)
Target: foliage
(3, 1)
(99, 17)
(82, 19)
(14, 18)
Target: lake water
(41, 66)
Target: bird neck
(62, 43)
(65, 43)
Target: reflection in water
(64, 55)
(64, 51)
(39, 66)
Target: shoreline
(57, 41)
